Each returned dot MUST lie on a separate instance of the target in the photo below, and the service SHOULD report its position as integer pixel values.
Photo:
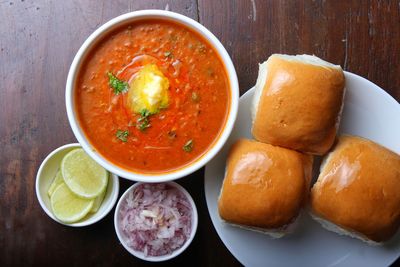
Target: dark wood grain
(363, 37)
(38, 42)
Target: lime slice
(58, 179)
(67, 207)
(97, 202)
(83, 175)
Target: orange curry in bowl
(152, 96)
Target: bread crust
(300, 104)
(358, 189)
(265, 186)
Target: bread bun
(358, 190)
(264, 187)
(298, 102)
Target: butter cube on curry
(148, 90)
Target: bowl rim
(202, 160)
(174, 253)
(113, 198)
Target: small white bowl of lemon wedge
(73, 189)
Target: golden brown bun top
(299, 106)
(359, 188)
(264, 186)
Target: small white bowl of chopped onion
(155, 221)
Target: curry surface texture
(181, 130)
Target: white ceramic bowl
(140, 254)
(45, 175)
(137, 16)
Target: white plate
(368, 112)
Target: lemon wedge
(97, 202)
(58, 179)
(83, 176)
(67, 207)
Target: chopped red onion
(177, 68)
(156, 219)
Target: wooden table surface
(38, 42)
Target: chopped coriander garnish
(188, 147)
(144, 113)
(167, 54)
(143, 122)
(122, 135)
(118, 85)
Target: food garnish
(83, 176)
(148, 90)
(143, 121)
(122, 135)
(58, 179)
(118, 85)
(69, 198)
(156, 219)
(188, 146)
(67, 207)
(168, 54)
